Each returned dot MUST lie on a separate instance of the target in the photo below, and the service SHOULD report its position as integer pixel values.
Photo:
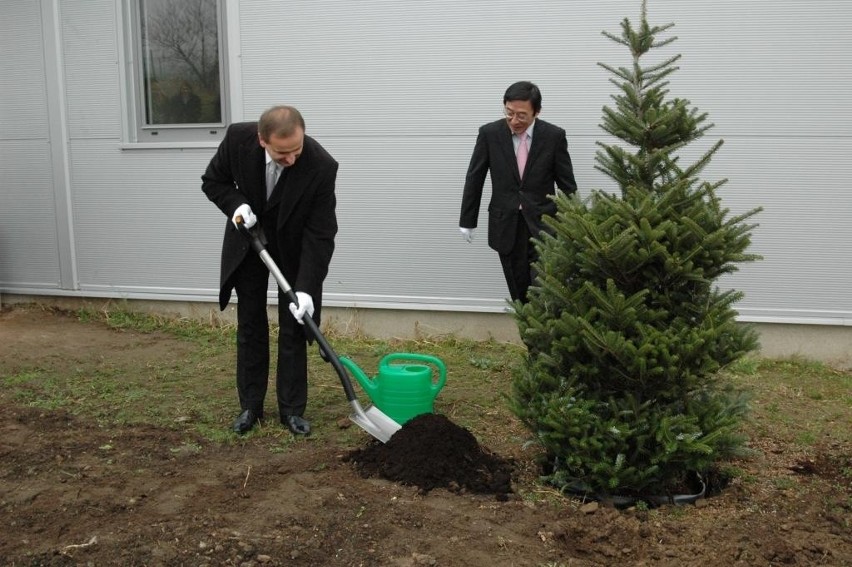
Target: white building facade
(95, 204)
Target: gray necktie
(271, 178)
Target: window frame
(138, 132)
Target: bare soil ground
(73, 492)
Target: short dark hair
(524, 90)
(280, 121)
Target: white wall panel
(805, 228)
(28, 239)
(142, 221)
(22, 82)
(416, 68)
(765, 68)
(91, 69)
(399, 232)
(28, 247)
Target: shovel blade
(375, 422)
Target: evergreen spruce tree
(626, 328)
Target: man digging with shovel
(271, 174)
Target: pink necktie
(523, 152)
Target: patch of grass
(131, 387)
(745, 366)
(216, 432)
(731, 472)
(798, 401)
(187, 448)
(22, 379)
(37, 388)
(783, 483)
(187, 382)
(185, 328)
(544, 494)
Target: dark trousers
(517, 264)
(291, 382)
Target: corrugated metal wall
(396, 91)
(29, 255)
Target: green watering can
(405, 390)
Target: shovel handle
(252, 236)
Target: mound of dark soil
(430, 451)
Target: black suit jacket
(548, 166)
(306, 223)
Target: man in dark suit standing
(271, 174)
(527, 158)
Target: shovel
(372, 420)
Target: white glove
(249, 220)
(467, 233)
(306, 305)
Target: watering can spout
(368, 385)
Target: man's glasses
(521, 116)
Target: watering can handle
(442, 369)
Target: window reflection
(181, 69)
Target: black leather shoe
(297, 425)
(246, 421)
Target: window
(179, 75)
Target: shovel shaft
(309, 322)
(311, 325)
